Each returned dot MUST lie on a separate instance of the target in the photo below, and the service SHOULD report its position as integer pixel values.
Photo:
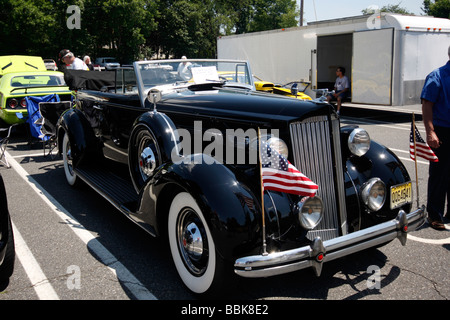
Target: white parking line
(431, 241)
(118, 269)
(34, 272)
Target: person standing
(435, 100)
(72, 62)
(87, 61)
(184, 69)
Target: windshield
(176, 73)
(37, 80)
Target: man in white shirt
(71, 61)
(341, 88)
(184, 69)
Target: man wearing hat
(71, 61)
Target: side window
(125, 81)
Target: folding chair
(34, 118)
(50, 113)
(3, 144)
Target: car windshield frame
(173, 75)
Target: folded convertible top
(89, 80)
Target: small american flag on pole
(279, 174)
(422, 149)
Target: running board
(118, 191)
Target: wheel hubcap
(192, 242)
(146, 155)
(147, 162)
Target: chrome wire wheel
(191, 244)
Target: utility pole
(301, 12)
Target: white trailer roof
(417, 23)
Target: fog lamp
(310, 212)
(373, 194)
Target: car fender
(164, 130)
(378, 162)
(229, 206)
(81, 135)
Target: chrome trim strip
(339, 175)
(307, 256)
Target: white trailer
(386, 56)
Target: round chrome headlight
(359, 142)
(310, 212)
(279, 146)
(373, 194)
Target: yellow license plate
(401, 194)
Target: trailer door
(372, 66)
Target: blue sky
(333, 9)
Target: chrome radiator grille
(313, 148)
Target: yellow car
(295, 89)
(22, 77)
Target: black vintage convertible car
(174, 146)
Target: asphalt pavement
(114, 247)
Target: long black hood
(242, 105)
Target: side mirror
(154, 96)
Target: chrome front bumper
(318, 252)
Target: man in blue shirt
(436, 117)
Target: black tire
(199, 266)
(7, 267)
(71, 176)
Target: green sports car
(22, 77)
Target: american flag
(279, 174)
(422, 148)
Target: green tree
(27, 27)
(437, 8)
(118, 28)
(259, 15)
(277, 14)
(135, 29)
(190, 27)
(393, 8)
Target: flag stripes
(278, 174)
(422, 149)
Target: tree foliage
(392, 8)
(437, 8)
(135, 29)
